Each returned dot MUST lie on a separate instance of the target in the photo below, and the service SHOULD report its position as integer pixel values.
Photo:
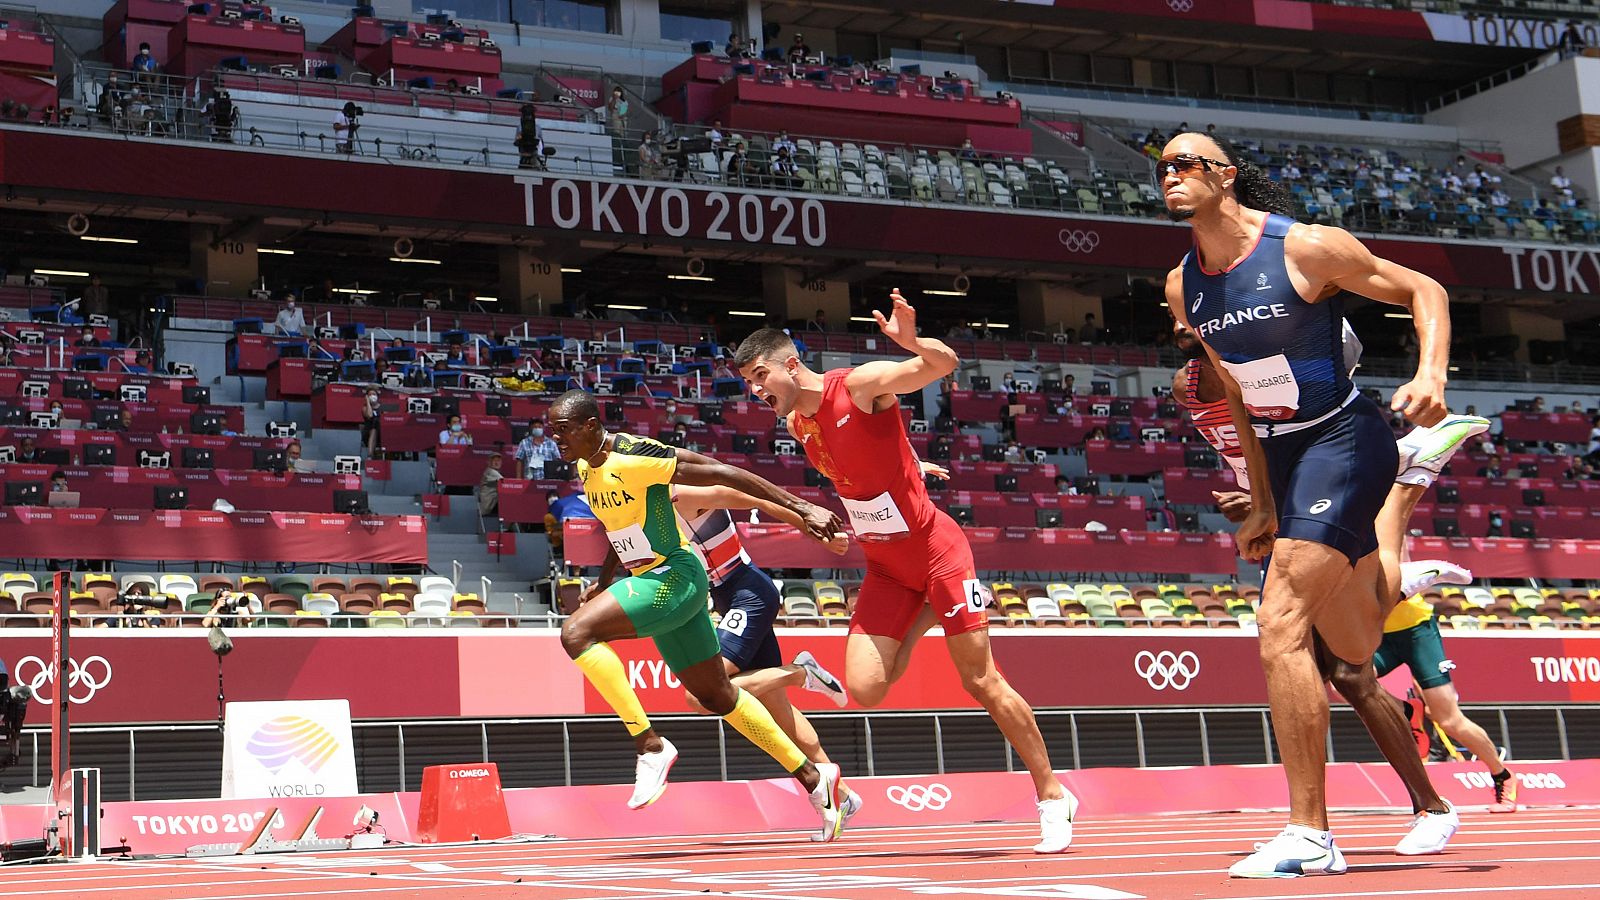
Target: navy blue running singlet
(1286, 354)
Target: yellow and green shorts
(668, 605)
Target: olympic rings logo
(917, 797)
(1180, 6)
(1167, 669)
(1078, 241)
(90, 675)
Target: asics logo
(918, 797)
(1078, 241)
(1167, 669)
(1195, 307)
(1320, 507)
(84, 679)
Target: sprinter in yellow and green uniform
(1411, 638)
(626, 480)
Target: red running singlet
(916, 554)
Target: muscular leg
(587, 633)
(1391, 528)
(1384, 717)
(1351, 623)
(1303, 578)
(707, 681)
(1441, 702)
(768, 685)
(974, 662)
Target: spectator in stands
(1538, 405)
(650, 158)
(55, 410)
(1291, 171)
(222, 115)
(489, 486)
(144, 65)
(1450, 181)
(721, 369)
(124, 421)
(741, 168)
(371, 413)
(784, 170)
(819, 321)
(291, 320)
(530, 147)
(1560, 183)
(58, 482)
(293, 461)
(1571, 43)
(346, 122)
(1090, 332)
(86, 338)
(669, 411)
(1498, 197)
(112, 98)
(1594, 438)
(967, 151)
(715, 137)
(454, 433)
(617, 112)
(735, 48)
(798, 51)
(1013, 453)
(96, 300)
(784, 142)
(534, 450)
(1065, 486)
(1491, 467)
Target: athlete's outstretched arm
(934, 359)
(1258, 528)
(1327, 255)
(696, 469)
(695, 499)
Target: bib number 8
(734, 621)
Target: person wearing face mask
(55, 410)
(534, 450)
(371, 410)
(291, 321)
(454, 434)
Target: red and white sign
(524, 672)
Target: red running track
(1534, 853)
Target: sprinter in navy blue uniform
(1261, 291)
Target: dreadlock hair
(1253, 187)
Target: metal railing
(391, 753)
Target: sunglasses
(1186, 162)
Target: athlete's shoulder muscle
(1323, 254)
(1174, 293)
(634, 445)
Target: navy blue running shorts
(1330, 480)
(748, 602)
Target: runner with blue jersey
(1262, 292)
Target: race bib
(1268, 386)
(878, 516)
(632, 547)
(1241, 471)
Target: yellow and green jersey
(1410, 613)
(630, 495)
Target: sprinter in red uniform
(919, 565)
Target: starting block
(462, 803)
(263, 840)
